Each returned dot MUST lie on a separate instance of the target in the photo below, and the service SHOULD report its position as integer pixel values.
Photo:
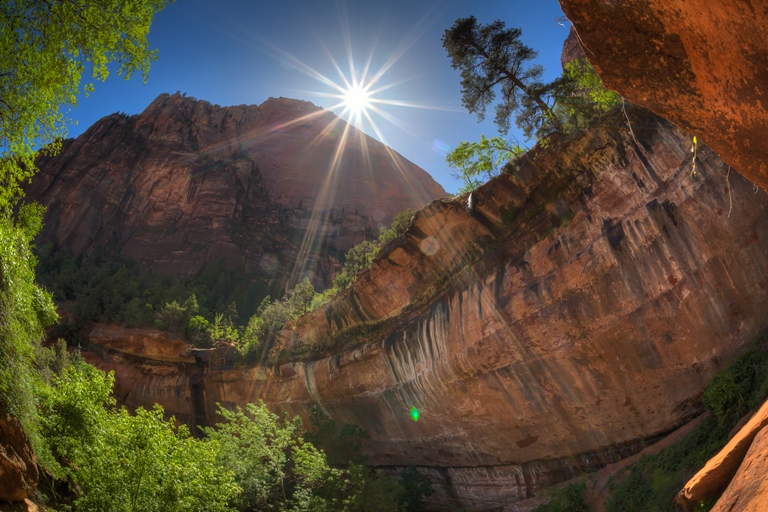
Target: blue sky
(233, 52)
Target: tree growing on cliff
(491, 57)
(473, 161)
(46, 48)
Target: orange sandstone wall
(575, 314)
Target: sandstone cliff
(702, 64)
(737, 472)
(186, 182)
(576, 314)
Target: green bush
(569, 498)
(738, 388)
(116, 461)
(275, 467)
(25, 311)
(582, 97)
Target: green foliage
(582, 96)
(175, 317)
(119, 290)
(197, 332)
(25, 311)
(222, 330)
(415, 487)
(357, 259)
(399, 226)
(361, 256)
(738, 388)
(46, 48)
(54, 360)
(473, 162)
(342, 444)
(492, 57)
(360, 487)
(275, 467)
(651, 484)
(569, 498)
(116, 461)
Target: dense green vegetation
(46, 49)
(205, 309)
(108, 459)
(25, 311)
(569, 498)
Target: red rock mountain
(186, 182)
(575, 314)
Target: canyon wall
(187, 182)
(702, 64)
(573, 315)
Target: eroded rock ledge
(577, 313)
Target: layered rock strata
(575, 314)
(187, 182)
(702, 64)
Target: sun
(357, 99)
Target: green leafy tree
(492, 58)
(197, 332)
(299, 298)
(175, 317)
(223, 331)
(276, 468)
(25, 311)
(415, 487)
(46, 47)
(399, 226)
(582, 96)
(357, 259)
(473, 162)
(117, 461)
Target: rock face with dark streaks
(187, 182)
(702, 64)
(575, 314)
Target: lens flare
(414, 414)
(357, 99)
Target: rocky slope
(702, 64)
(573, 316)
(187, 182)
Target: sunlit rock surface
(18, 464)
(702, 64)
(739, 469)
(186, 182)
(575, 315)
